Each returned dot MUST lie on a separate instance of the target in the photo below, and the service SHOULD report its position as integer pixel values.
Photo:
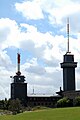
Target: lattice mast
(68, 35)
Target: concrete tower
(18, 87)
(68, 66)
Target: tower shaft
(68, 66)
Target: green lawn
(49, 114)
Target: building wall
(19, 90)
(68, 79)
(68, 66)
(42, 101)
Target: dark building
(19, 87)
(68, 66)
(42, 100)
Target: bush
(77, 101)
(15, 106)
(64, 102)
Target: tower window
(19, 78)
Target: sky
(37, 29)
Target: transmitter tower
(18, 87)
(68, 66)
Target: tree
(3, 104)
(15, 106)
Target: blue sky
(38, 29)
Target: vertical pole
(68, 34)
(18, 62)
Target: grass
(49, 114)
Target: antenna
(33, 90)
(68, 35)
(18, 63)
(18, 57)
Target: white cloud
(6, 70)
(56, 11)
(9, 33)
(30, 10)
(37, 70)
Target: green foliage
(64, 102)
(77, 101)
(15, 106)
(4, 104)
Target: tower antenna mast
(68, 35)
(18, 62)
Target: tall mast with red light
(18, 63)
(18, 86)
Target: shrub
(15, 106)
(77, 101)
(64, 102)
